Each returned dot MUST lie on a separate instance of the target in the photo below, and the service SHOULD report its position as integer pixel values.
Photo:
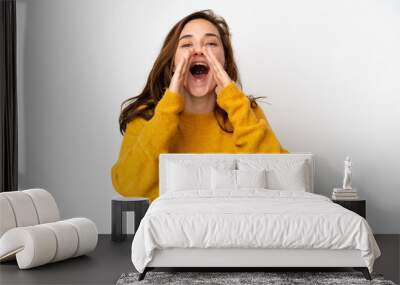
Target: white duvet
(251, 218)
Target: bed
(247, 210)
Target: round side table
(119, 207)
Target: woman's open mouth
(199, 70)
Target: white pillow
(251, 178)
(236, 179)
(293, 178)
(282, 174)
(188, 175)
(223, 179)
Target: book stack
(344, 194)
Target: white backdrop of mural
(330, 70)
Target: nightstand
(357, 206)
(119, 207)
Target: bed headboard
(207, 157)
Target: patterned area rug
(270, 278)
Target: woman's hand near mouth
(179, 77)
(220, 76)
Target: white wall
(329, 68)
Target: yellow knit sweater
(172, 130)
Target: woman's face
(196, 35)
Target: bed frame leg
(364, 271)
(143, 274)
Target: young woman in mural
(192, 103)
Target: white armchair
(31, 231)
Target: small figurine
(347, 174)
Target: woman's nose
(197, 50)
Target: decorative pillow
(236, 179)
(188, 175)
(251, 178)
(281, 174)
(223, 179)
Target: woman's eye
(186, 45)
(212, 44)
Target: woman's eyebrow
(206, 34)
(211, 35)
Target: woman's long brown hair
(143, 105)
